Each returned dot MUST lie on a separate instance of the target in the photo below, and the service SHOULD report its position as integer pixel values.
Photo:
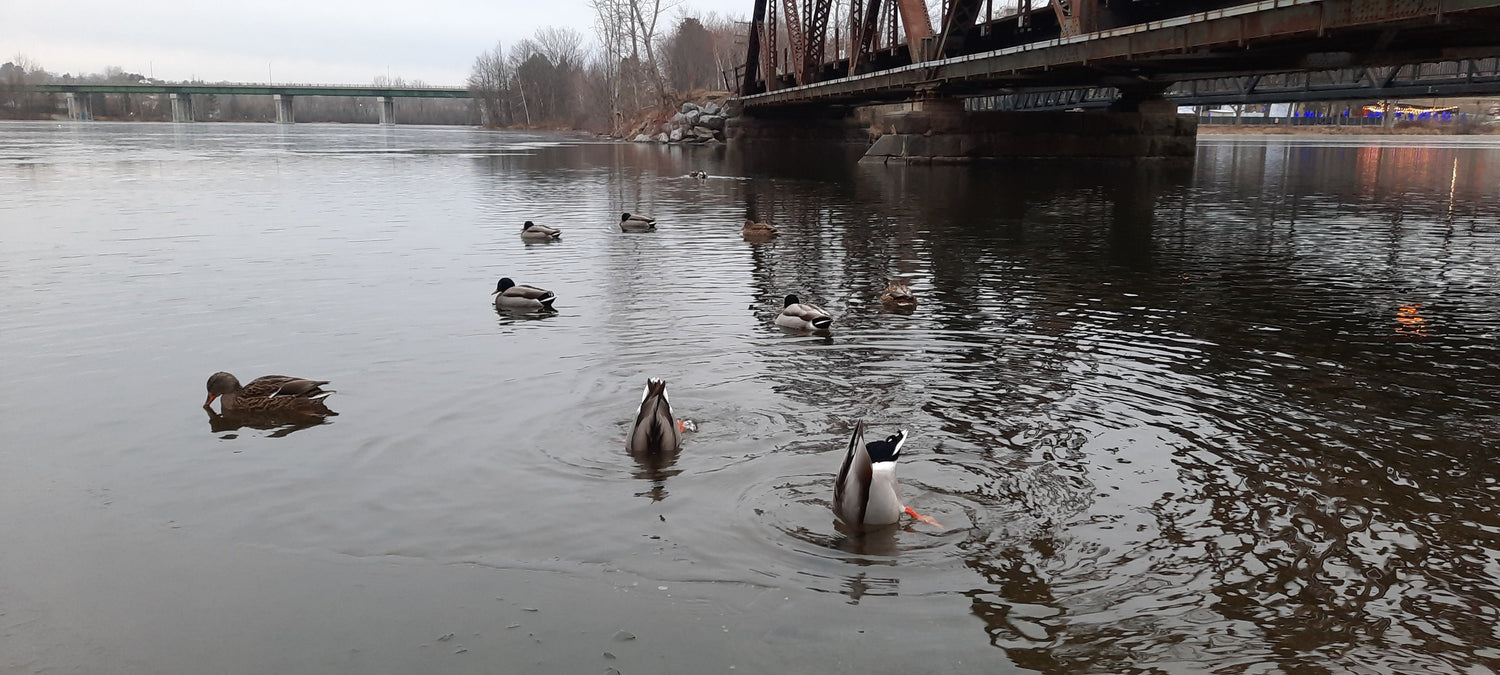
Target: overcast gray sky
(323, 41)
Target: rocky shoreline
(691, 124)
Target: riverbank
(1318, 130)
(697, 117)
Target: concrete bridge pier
(942, 130)
(387, 107)
(80, 106)
(939, 129)
(182, 107)
(284, 112)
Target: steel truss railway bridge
(1119, 57)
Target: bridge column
(942, 130)
(284, 112)
(182, 108)
(80, 106)
(387, 107)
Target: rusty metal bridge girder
(862, 37)
(918, 27)
(798, 41)
(817, 38)
(957, 22)
(753, 49)
(1261, 37)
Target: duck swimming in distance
(655, 431)
(897, 296)
(534, 232)
(272, 394)
(509, 295)
(754, 230)
(865, 495)
(801, 316)
(630, 223)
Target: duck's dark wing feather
(855, 474)
(282, 385)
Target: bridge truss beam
(1270, 36)
(1465, 77)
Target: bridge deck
(252, 89)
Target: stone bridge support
(182, 108)
(80, 106)
(387, 107)
(284, 112)
(942, 130)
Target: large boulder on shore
(703, 133)
(641, 138)
(679, 119)
(689, 107)
(711, 108)
(661, 138)
(715, 122)
(690, 118)
(675, 136)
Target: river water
(1234, 417)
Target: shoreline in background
(1335, 130)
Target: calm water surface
(1239, 417)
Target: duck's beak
(495, 292)
(210, 400)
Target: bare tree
(20, 71)
(562, 46)
(647, 36)
(690, 56)
(489, 82)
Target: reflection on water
(279, 426)
(1236, 416)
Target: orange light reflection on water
(1409, 321)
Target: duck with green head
(637, 223)
(655, 431)
(798, 315)
(510, 295)
(865, 494)
(534, 232)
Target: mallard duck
(865, 495)
(759, 230)
(655, 430)
(898, 296)
(511, 296)
(795, 314)
(629, 223)
(534, 232)
(268, 395)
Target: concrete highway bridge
(181, 95)
(1131, 61)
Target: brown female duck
(754, 230)
(898, 296)
(272, 394)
